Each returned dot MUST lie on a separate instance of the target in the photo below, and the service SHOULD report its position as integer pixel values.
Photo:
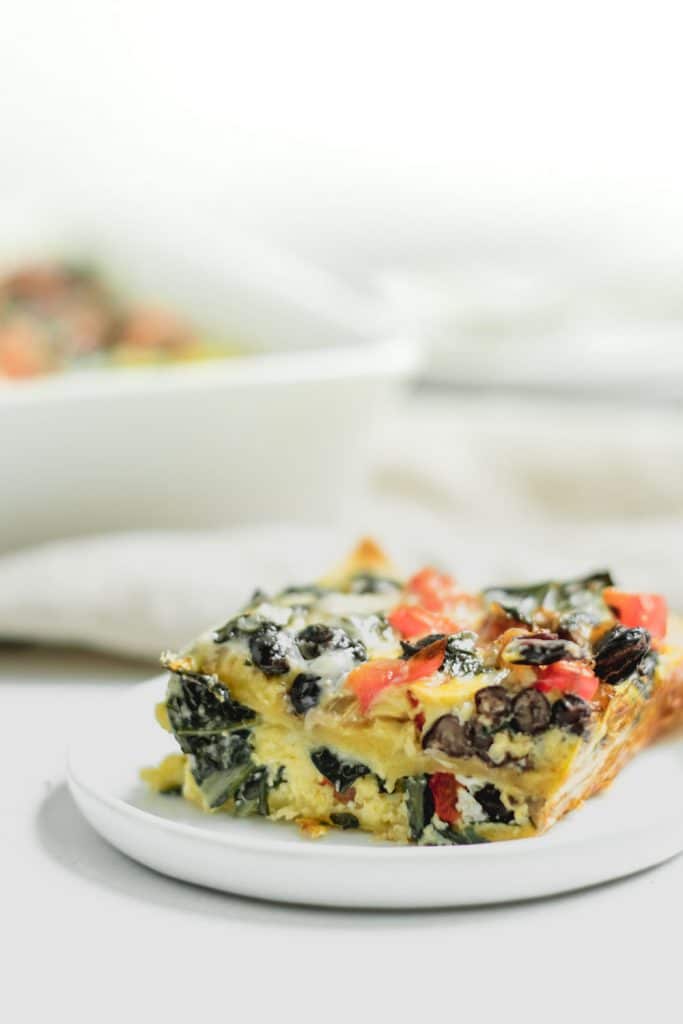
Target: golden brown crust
(367, 556)
(662, 713)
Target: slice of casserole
(415, 710)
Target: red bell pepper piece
(413, 621)
(646, 610)
(444, 789)
(569, 677)
(434, 589)
(368, 680)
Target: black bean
(571, 712)
(541, 649)
(531, 711)
(619, 653)
(489, 799)
(342, 819)
(493, 703)
(318, 637)
(304, 693)
(478, 736)
(268, 648)
(448, 734)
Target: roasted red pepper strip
(413, 621)
(444, 789)
(368, 680)
(569, 677)
(646, 610)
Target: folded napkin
(140, 593)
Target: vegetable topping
(569, 677)
(444, 789)
(368, 681)
(648, 611)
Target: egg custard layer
(415, 710)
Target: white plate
(637, 824)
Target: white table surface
(89, 932)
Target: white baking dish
(281, 432)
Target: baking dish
(280, 432)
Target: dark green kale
(411, 647)
(227, 632)
(252, 796)
(461, 658)
(305, 588)
(340, 772)
(219, 763)
(342, 819)
(420, 804)
(490, 801)
(369, 583)
(570, 599)
(200, 704)
(444, 835)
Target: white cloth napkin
(495, 490)
(138, 594)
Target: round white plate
(636, 824)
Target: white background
(359, 131)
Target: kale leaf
(420, 803)
(252, 796)
(340, 772)
(219, 763)
(199, 703)
(580, 597)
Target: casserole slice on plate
(416, 710)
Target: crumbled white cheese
(277, 613)
(375, 633)
(471, 812)
(332, 666)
